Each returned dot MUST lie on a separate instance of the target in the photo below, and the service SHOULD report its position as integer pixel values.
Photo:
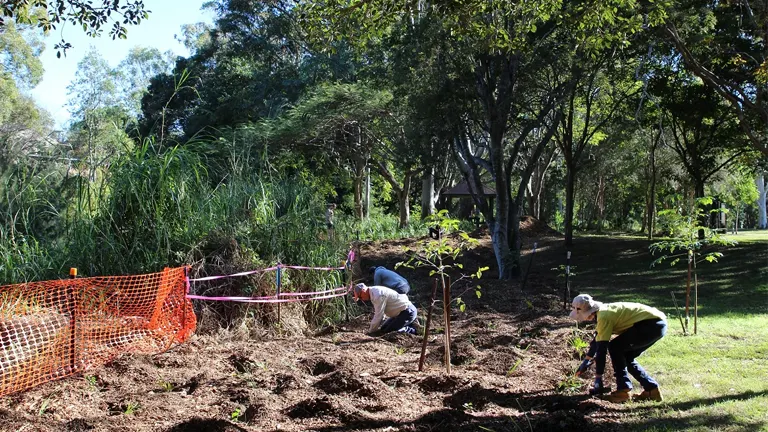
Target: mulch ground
(510, 355)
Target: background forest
(590, 116)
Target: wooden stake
(447, 318)
(688, 292)
(426, 326)
(695, 303)
(695, 297)
(674, 300)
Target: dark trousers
(403, 319)
(626, 347)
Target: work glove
(585, 364)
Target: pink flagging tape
(311, 268)
(246, 273)
(337, 292)
(313, 292)
(350, 258)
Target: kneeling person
(400, 312)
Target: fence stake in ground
(528, 271)
(567, 289)
(278, 275)
(679, 315)
(695, 296)
(426, 326)
(72, 324)
(688, 291)
(447, 318)
(344, 278)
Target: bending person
(638, 327)
(390, 279)
(400, 313)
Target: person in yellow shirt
(637, 327)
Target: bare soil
(510, 353)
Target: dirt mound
(241, 363)
(311, 408)
(440, 383)
(502, 361)
(285, 382)
(532, 227)
(206, 425)
(344, 382)
(317, 366)
(462, 353)
(78, 425)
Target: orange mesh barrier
(52, 329)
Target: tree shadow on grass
(545, 411)
(687, 405)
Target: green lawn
(717, 379)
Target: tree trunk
(428, 193)
(358, 187)
(570, 184)
(762, 221)
(600, 203)
(651, 203)
(404, 198)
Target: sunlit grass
(748, 236)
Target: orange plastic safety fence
(52, 329)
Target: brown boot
(649, 395)
(618, 396)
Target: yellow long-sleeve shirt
(616, 318)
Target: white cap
(583, 306)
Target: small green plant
(468, 406)
(336, 338)
(93, 382)
(569, 384)
(514, 367)
(400, 350)
(561, 271)
(167, 386)
(579, 345)
(236, 414)
(261, 365)
(131, 407)
(45, 404)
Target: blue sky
(165, 20)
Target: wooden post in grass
(688, 291)
(695, 304)
(446, 280)
(426, 326)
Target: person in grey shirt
(390, 279)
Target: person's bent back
(390, 279)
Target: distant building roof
(462, 189)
